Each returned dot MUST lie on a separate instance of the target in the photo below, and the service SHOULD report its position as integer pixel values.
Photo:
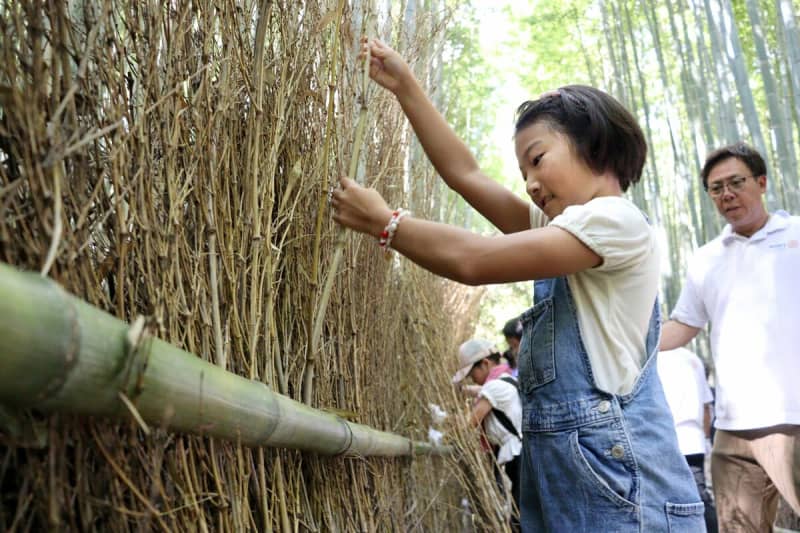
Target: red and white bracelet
(385, 240)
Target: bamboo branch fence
(170, 161)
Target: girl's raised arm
(449, 155)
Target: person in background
(746, 283)
(497, 409)
(689, 398)
(512, 331)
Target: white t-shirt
(615, 300)
(749, 289)
(505, 397)
(687, 391)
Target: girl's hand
(359, 208)
(386, 66)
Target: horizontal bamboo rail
(58, 353)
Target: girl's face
(479, 372)
(555, 177)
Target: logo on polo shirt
(788, 244)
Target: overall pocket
(685, 517)
(603, 461)
(537, 347)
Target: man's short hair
(741, 151)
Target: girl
(497, 409)
(599, 448)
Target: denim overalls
(594, 461)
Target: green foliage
(675, 76)
(500, 304)
(471, 84)
(550, 40)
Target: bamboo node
(70, 353)
(349, 441)
(137, 356)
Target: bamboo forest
(188, 342)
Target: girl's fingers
(379, 49)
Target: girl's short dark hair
(494, 357)
(511, 358)
(604, 134)
(741, 151)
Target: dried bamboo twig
(316, 332)
(135, 210)
(326, 151)
(153, 511)
(58, 225)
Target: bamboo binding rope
(62, 354)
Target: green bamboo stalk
(316, 331)
(62, 354)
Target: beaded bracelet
(388, 232)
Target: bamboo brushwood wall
(172, 161)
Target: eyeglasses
(734, 183)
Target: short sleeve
(498, 393)
(537, 216)
(613, 228)
(493, 392)
(690, 309)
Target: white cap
(470, 353)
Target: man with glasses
(746, 283)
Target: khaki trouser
(748, 471)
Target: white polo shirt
(749, 289)
(684, 380)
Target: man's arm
(675, 334)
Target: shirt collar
(777, 221)
(498, 371)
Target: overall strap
(501, 416)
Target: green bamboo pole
(58, 353)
